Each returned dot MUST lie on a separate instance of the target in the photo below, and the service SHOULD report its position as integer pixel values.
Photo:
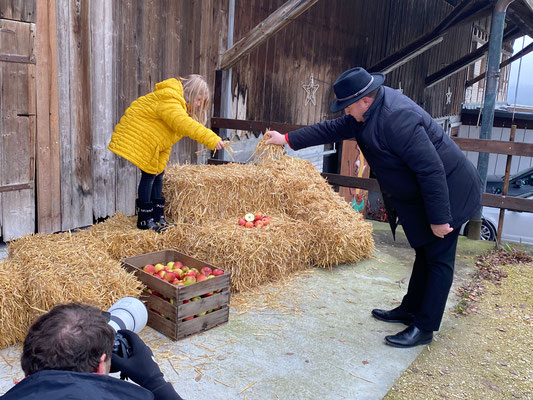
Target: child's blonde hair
(193, 86)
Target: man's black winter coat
(68, 385)
(426, 176)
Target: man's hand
(441, 230)
(141, 367)
(274, 137)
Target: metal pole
(491, 90)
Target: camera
(127, 313)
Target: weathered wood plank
(495, 146)
(102, 105)
(125, 87)
(47, 141)
(272, 24)
(17, 129)
(18, 10)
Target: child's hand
(274, 137)
(220, 145)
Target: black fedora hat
(353, 85)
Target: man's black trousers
(431, 281)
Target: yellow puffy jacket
(153, 123)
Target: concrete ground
(311, 338)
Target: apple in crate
(218, 272)
(170, 276)
(159, 267)
(200, 277)
(189, 280)
(206, 271)
(149, 268)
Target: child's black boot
(159, 208)
(145, 219)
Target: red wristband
(287, 139)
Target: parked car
(517, 225)
(519, 183)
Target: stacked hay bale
(46, 270)
(326, 230)
(14, 310)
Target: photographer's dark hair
(71, 337)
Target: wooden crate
(171, 323)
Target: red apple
(258, 223)
(206, 271)
(150, 268)
(242, 222)
(218, 272)
(200, 277)
(178, 264)
(170, 276)
(249, 224)
(158, 267)
(258, 216)
(188, 318)
(161, 274)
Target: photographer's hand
(142, 368)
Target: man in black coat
(67, 354)
(426, 181)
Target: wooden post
(505, 186)
(47, 140)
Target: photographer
(68, 353)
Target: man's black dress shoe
(410, 337)
(395, 315)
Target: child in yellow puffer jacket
(149, 128)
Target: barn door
(17, 129)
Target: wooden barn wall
(110, 53)
(17, 118)
(156, 40)
(331, 37)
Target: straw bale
(14, 311)
(65, 267)
(278, 184)
(254, 256)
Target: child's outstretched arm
(176, 117)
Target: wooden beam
(466, 60)
(521, 15)
(507, 202)
(12, 188)
(518, 55)
(16, 59)
(47, 138)
(252, 126)
(529, 4)
(459, 14)
(272, 24)
(415, 53)
(495, 146)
